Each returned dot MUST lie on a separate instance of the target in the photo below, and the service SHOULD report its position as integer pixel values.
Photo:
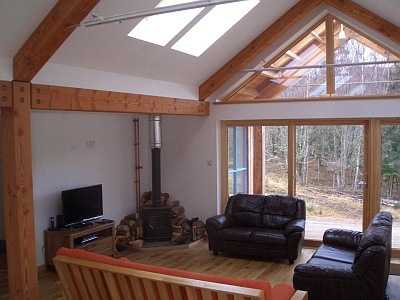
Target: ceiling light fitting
(342, 36)
(323, 66)
(99, 20)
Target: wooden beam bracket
(6, 94)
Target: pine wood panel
(76, 99)
(18, 194)
(49, 36)
(5, 93)
(257, 46)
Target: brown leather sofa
(349, 264)
(266, 226)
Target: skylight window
(214, 25)
(162, 29)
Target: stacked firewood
(180, 227)
(130, 229)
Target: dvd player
(88, 238)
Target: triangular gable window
(331, 60)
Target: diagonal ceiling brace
(49, 36)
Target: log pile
(130, 230)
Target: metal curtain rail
(323, 66)
(98, 20)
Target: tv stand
(98, 238)
(81, 225)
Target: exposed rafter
(49, 36)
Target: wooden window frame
(372, 158)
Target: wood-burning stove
(156, 218)
(157, 223)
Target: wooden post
(18, 194)
(258, 159)
(291, 159)
(372, 153)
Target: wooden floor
(197, 259)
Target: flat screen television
(82, 205)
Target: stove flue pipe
(155, 145)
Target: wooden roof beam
(49, 36)
(257, 46)
(317, 37)
(48, 97)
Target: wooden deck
(316, 226)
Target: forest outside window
(324, 163)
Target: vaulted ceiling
(108, 48)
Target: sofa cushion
(342, 237)
(374, 235)
(335, 253)
(239, 233)
(279, 210)
(382, 218)
(268, 236)
(329, 264)
(247, 209)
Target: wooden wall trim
(18, 195)
(49, 36)
(257, 46)
(49, 97)
(5, 93)
(368, 18)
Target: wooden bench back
(83, 279)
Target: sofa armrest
(342, 237)
(296, 225)
(219, 222)
(323, 271)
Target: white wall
(62, 160)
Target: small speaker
(52, 225)
(60, 221)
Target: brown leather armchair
(267, 226)
(349, 264)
